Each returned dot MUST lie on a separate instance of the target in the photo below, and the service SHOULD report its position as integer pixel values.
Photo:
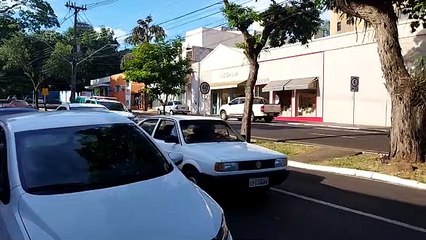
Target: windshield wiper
(59, 187)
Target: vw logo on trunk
(258, 165)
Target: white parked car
(174, 107)
(261, 110)
(215, 154)
(96, 175)
(115, 107)
(82, 107)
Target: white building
(312, 82)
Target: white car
(115, 107)
(215, 154)
(82, 107)
(261, 110)
(174, 107)
(96, 175)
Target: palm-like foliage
(145, 32)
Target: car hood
(232, 151)
(125, 114)
(169, 207)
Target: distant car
(115, 107)
(19, 103)
(174, 107)
(215, 154)
(82, 107)
(261, 110)
(12, 110)
(96, 176)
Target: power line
(190, 13)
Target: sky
(121, 15)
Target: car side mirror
(130, 110)
(171, 139)
(176, 157)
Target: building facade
(312, 82)
(130, 94)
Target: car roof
(184, 117)
(36, 121)
(106, 100)
(88, 105)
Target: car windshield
(100, 109)
(178, 103)
(204, 131)
(89, 157)
(113, 106)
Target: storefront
(297, 97)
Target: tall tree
(145, 31)
(160, 66)
(294, 21)
(28, 53)
(408, 135)
(28, 14)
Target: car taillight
(262, 108)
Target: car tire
(192, 174)
(252, 118)
(171, 112)
(158, 112)
(268, 119)
(223, 115)
(239, 119)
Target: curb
(338, 127)
(361, 174)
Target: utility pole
(77, 9)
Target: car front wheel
(171, 112)
(158, 111)
(223, 115)
(192, 174)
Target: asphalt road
(312, 205)
(358, 139)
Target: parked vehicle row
(173, 107)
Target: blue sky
(121, 15)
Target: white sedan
(82, 107)
(96, 175)
(215, 154)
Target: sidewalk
(339, 126)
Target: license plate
(258, 182)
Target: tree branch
(8, 8)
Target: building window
(117, 88)
(350, 21)
(339, 26)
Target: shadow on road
(280, 216)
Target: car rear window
(82, 158)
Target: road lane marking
(323, 134)
(348, 137)
(332, 205)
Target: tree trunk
(164, 104)
(408, 140)
(248, 105)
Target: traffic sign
(45, 91)
(354, 84)
(205, 88)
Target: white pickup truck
(261, 110)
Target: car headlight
(280, 162)
(224, 233)
(226, 167)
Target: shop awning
(98, 86)
(275, 86)
(301, 83)
(226, 85)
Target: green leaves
(160, 66)
(145, 32)
(240, 17)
